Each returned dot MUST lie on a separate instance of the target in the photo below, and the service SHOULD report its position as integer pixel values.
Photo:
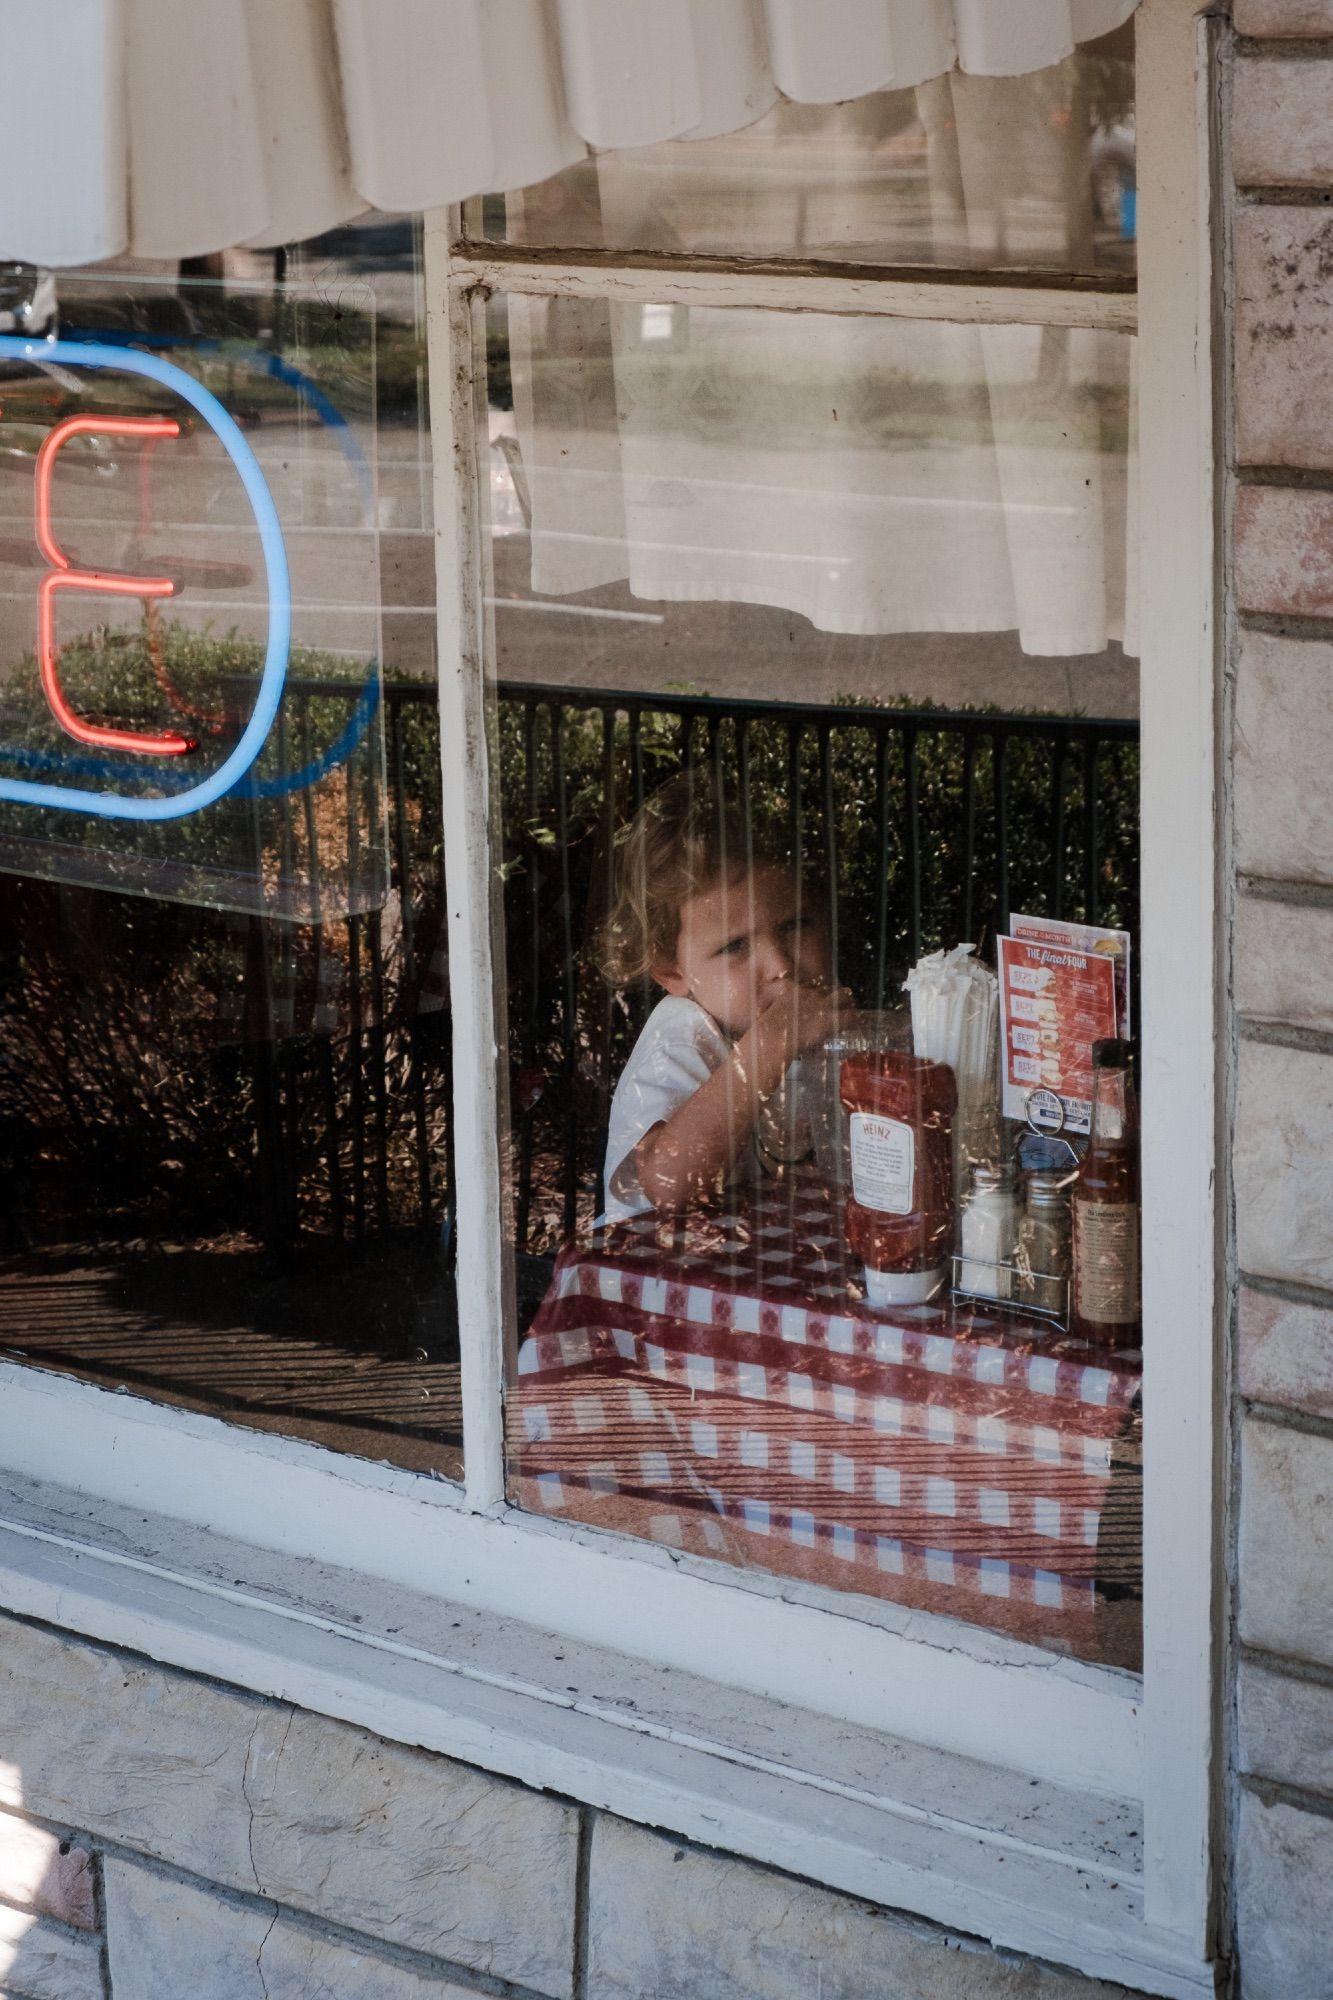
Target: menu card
(1055, 1002)
(1085, 937)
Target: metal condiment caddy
(1019, 1277)
(1013, 1283)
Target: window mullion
(467, 868)
(979, 301)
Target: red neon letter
(62, 576)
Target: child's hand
(797, 1018)
(688, 1155)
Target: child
(716, 918)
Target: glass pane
(198, 574)
(998, 173)
(812, 654)
(224, 1038)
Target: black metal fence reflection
(347, 1017)
(319, 1053)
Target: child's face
(741, 940)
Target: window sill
(1029, 1865)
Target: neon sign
(105, 583)
(62, 575)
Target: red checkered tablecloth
(721, 1387)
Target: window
(562, 615)
(851, 594)
(225, 1070)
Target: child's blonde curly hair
(681, 842)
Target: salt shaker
(988, 1235)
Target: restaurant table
(719, 1385)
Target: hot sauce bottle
(1106, 1308)
(900, 1213)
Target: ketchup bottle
(900, 1214)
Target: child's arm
(686, 1156)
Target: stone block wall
(164, 1837)
(1282, 774)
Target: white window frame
(1077, 1729)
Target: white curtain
(873, 476)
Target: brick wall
(1282, 769)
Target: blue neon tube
(109, 805)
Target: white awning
(170, 128)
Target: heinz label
(883, 1163)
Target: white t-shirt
(680, 1047)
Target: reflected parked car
(28, 300)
